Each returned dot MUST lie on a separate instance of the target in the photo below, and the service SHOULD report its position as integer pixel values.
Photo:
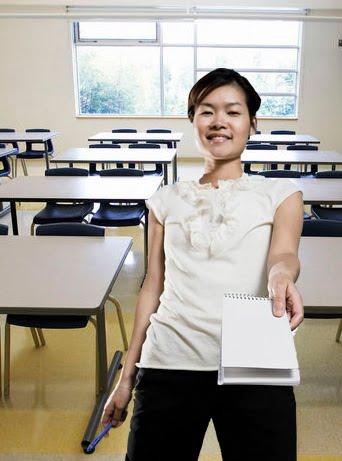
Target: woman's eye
(233, 113)
(206, 112)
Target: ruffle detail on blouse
(214, 217)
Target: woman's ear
(253, 126)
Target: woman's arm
(282, 263)
(147, 304)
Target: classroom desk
(319, 288)
(84, 155)
(173, 138)
(315, 157)
(44, 290)
(8, 151)
(42, 137)
(320, 190)
(79, 188)
(283, 139)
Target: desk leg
(166, 180)
(46, 155)
(14, 218)
(174, 167)
(105, 378)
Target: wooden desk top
(59, 275)
(85, 155)
(284, 138)
(7, 151)
(23, 136)
(320, 157)
(320, 288)
(44, 188)
(140, 136)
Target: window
(148, 67)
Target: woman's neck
(218, 170)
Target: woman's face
(222, 123)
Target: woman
(226, 232)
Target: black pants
(172, 410)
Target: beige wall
(37, 89)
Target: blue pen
(91, 447)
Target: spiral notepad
(256, 346)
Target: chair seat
(153, 173)
(48, 321)
(57, 212)
(320, 212)
(28, 154)
(118, 215)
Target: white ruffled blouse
(215, 240)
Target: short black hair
(215, 79)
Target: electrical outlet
(340, 42)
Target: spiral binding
(246, 296)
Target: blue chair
(92, 166)
(55, 212)
(57, 321)
(327, 212)
(323, 228)
(158, 171)
(313, 168)
(169, 144)
(14, 145)
(126, 130)
(30, 153)
(3, 229)
(259, 146)
(280, 174)
(5, 166)
(118, 214)
(283, 132)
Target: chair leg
(23, 164)
(339, 331)
(35, 337)
(97, 384)
(7, 359)
(41, 336)
(15, 167)
(121, 321)
(32, 228)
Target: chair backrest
(329, 174)
(301, 147)
(2, 146)
(257, 132)
(72, 229)
(3, 229)
(104, 146)
(5, 165)
(261, 146)
(280, 174)
(147, 145)
(39, 130)
(10, 130)
(66, 171)
(322, 228)
(121, 172)
(283, 132)
(125, 130)
(158, 130)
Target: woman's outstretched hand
(286, 298)
(115, 408)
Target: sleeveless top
(215, 240)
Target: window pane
(178, 32)
(272, 82)
(112, 80)
(247, 32)
(244, 58)
(178, 79)
(118, 30)
(277, 106)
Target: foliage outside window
(148, 67)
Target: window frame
(158, 42)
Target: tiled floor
(52, 387)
